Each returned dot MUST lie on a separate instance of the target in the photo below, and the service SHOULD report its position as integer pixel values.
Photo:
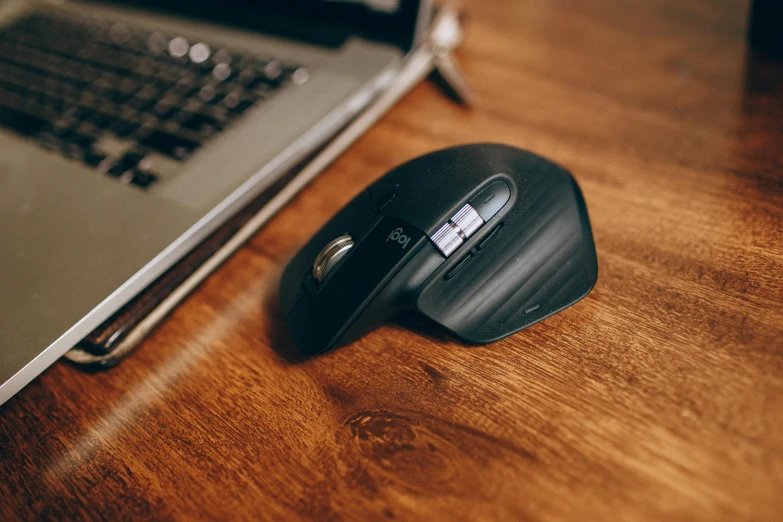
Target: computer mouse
(483, 239)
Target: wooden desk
(659, 396)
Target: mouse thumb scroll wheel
(330, 255)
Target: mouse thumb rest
(483, 239)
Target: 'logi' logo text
(399, 237)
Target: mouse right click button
(489, 201)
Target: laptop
(130, 130)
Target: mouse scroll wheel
(457, 230)
(331, 254)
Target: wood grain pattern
(659, 396)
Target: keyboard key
(82, 140)
(222, 72)
(141, 103)
(164, 110)
(222, 56)
(74, 151)
(124, 128)
(63, 126)
(25, 124)
(149, 124)
(300, 76)
(169, 144)
(143, 179)
(104, 166)
(93, 158)
(185, 91)
(241, 106)
(207, 93)
(157, 43)
(201, 123)
(232, 99)
(119, 97)
(118, 170)
(101, 119)
(131, 159)
(49, 140)
(273, 70)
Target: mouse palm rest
(484, 239)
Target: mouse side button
(489, 201)
(383, 201)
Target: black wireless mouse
(483, 239)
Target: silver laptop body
(80, 236)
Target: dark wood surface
(659, 396)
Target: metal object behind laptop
(765, 27)
(76, 245)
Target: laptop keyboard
(124, 100)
